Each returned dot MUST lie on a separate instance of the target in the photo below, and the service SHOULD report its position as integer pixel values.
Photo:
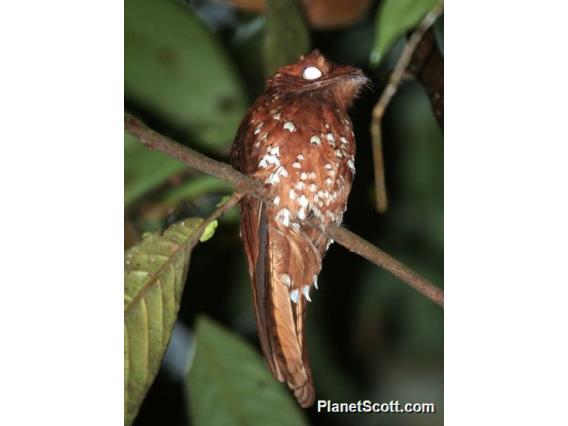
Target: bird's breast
(304, 150)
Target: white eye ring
(311, 73)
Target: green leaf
(155, 272)
(209, 231)
(195, 187)
(176, 68)
(144, 169)
(394, 18)
(286, 35)
(229, 384)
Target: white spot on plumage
(292, 194)
(303, 176)
(306, 291)
(351, 165)
(276, 200)
(289, 126)
(313, 187)
(300, 157)
(312, 175)
(302, 214)
(268, 159)
(329, 182)
(277, 116)
(272, 179)
(285, 279)
(296, 165)
(315, 281)
(326, 126)
(328, 166)
(257, 130)
(299, 186)
(303, 201)
(330, 214)
(295, 296)
(317, 212)
(343, 140)
(283, 216)
(274, 150)
(338, 153)
(330, 139)
(315, 140)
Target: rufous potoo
(298, 140)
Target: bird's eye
(311, 73)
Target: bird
(297, 139)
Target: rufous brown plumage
(298, 140)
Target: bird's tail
(284, 264)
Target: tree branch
(373, 254)
(245, 184)
(389, 91)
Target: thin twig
(389, 91)
(245, 184)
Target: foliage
(155, 274)
(174, 66)
(394, 18)
(195, 187)
(286, 34)
(229, 384)
(144, 170)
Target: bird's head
(314, 75)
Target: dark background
(370, 336)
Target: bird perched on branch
(298, 140)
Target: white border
(506, 212)
(61, 172)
